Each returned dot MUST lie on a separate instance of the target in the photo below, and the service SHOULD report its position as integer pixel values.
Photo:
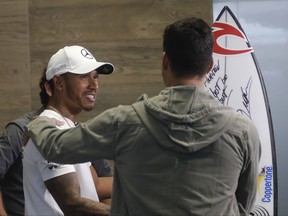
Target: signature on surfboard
(246, 99)
(219, 91)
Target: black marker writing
(220, 90)
(210, 76)
(246, 99)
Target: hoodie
(178, 153)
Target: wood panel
(15, 85)
(128, 33)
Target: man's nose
(93, 83)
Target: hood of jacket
(184, 118)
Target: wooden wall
(15, 85)
(127, 33)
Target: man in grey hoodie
(178, 153)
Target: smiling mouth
(91, 97)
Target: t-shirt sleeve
(47, 169)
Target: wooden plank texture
(15, 86)
(127, 33)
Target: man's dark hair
(188, 44)
(44, 97)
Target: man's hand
(26, 136)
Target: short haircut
(44, 97)
(188, 44)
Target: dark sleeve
(10, 147)
(247, 183)
(102, 168)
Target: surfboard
(236, 81)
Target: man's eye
(84, 77)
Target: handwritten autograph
(220, 90)
(246, 99)
(210, 76)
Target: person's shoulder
(244, 125)
(121, 111)
(24, 119)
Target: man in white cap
(68, 86)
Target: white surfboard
(236, 81)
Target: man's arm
(95, 139)
(248, 179)
(10, 147)
(65, 189)
(10, 150)
(103, 186)
(2, 209)
(105, 189)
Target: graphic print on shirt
(52, 165)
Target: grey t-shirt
(11, 183)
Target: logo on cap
(86, 54)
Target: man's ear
(48, 89)
(58, 83)
(211, 65)
(166, 70)
(165, 61)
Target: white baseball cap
(75, 59)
